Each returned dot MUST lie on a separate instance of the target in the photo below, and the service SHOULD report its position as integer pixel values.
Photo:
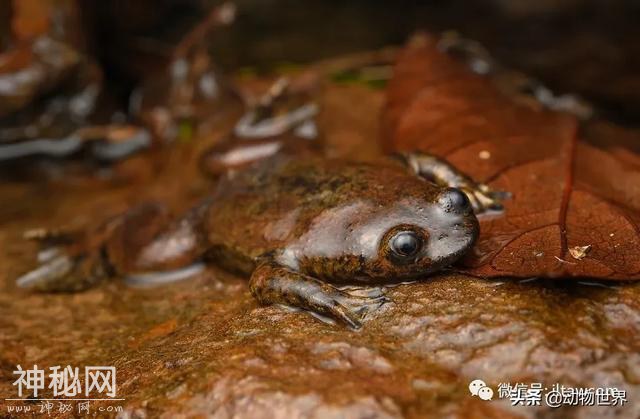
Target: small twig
(218, 16)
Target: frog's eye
(406, 244)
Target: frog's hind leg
(68, 260)
(136, 244)
(440, 172)
(161, 253)
(275, 284)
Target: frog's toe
(360, 291)
(274, 284)
(493, 200)
(59, 273)
(352, 310)
(494, 195)
(483, 198)
(51, 239)
(46, 255)
(52, 268)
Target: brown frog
(301, 228)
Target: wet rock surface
(205, 348)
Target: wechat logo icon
(479, 388)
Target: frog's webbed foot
(61, 273)
(440, 172)
(275, 284)
(353, 309)
(68, 259)
(61, 267)
(142, 241)
(483, 198)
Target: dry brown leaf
(569, 186)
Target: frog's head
(397, 237)
(416, 236)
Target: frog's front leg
(440, 172)
(272, 283)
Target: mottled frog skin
(333, 220)
(300, 229)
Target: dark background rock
(583, 46)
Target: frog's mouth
(366, 254)
(446, 246)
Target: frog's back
(267, 207)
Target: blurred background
(118, 76)
(588, 47)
